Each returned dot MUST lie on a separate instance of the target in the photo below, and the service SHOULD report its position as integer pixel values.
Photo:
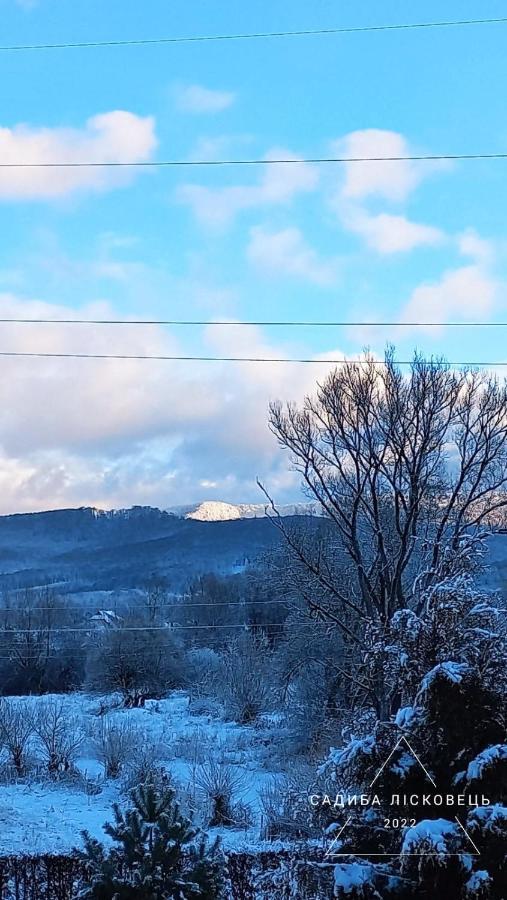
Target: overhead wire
(290, 323)
(246, 359)
(255, 35)
(181, 607)
(260, 161)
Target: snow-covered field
(38, 814)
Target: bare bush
(137, 662)
(219, 785)
(203, 666)
(16, 729)
(114, 744)
(59, 735)
(284, 810)
(145, 764)
(242, 685)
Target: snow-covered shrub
(460, 716)
(277, 874)
(115, 743)
(219, 785)
(454, 621)
(454, 719)
(437, 858)
(58, 735)
(310, 720)
(488, 771)
(478, 886)
(487, 825)
(359, 881)
(136, 662)
(202, 665)
(16, 729)
(285, 808)
(144, 764)
(242, 682)
(345, 764)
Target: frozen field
(38, 814)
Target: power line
(242, 359)
(281, 161)
(162, 605)
(113, 629)
(265, 323)
(304, 32)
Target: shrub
(114, 744)
(219, 784)
(242, 684)
(58, 734)
(16, 729)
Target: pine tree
(156, 854)
(448, 663)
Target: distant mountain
(90, 549)
(218, 511)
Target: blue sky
(367, 241)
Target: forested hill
(124, 548)
(91, 549)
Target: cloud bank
(117, 136)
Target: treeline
(141, 643)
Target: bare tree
(16, 729)
(59, 735)
(40, 655)
(406, 468)
(154, 600)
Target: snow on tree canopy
(477, 883)
(434, 831)
(492, 819)
(405, 716)
(486, 758)
(403, 765)
(452, 671)
(344, 756)
(484, 608)
(350, 876)
(407, 621)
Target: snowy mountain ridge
(220, 511)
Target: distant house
(106, 618)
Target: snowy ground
(38, 816)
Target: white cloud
(472, 244)
(117, 432)
(388, 233)
(465, 293)
(194, 98)
(114, 136)
(278, 185)
(393, 180)
(286, 252)
(88, 404)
